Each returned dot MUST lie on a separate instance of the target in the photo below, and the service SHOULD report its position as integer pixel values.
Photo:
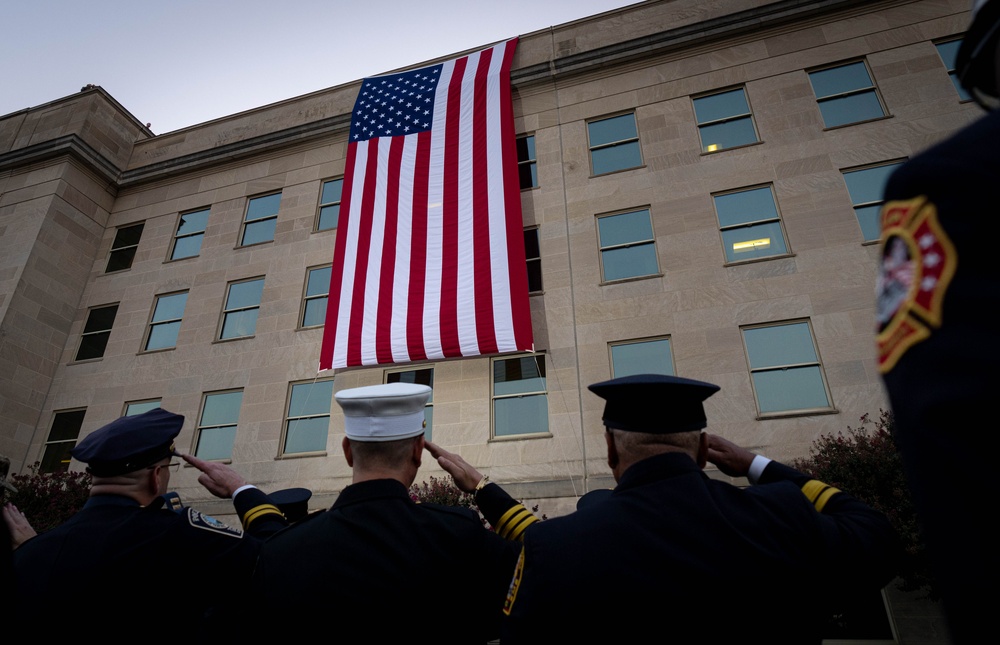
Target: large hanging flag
(429, 259)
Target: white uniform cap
(384, 412)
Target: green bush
(866, 464)
(49, 499)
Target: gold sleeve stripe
(514, 521)
(818, 493)
(257, 511)
(515, 584)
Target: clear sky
(175, 63)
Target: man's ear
(346, 445)
(152, 482)
(612, 449)
(702, 450)
(418, 450)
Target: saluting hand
(17, 525)
(728, 457)
(219, 479)
(466, 477)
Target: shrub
(49, 499)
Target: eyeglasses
(173, 466)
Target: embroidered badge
(515, 583)
(209, 523)
(918, 263)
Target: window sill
(324, 230)
(615, 172)
(156, 351)
(765, 416)
(103, 273)
(536, 293)
(84, 361)
(299, 455)
(189, 257)
(870, 242)
(530, 188)
(633, 279)
(847, 125)
(755, 260)
(706, 153)
(519, 437)
(249, 246)
(229, 340)
(309, 328)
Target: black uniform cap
(654, 403)
(292, 502)
(976, 58)
(129, 443)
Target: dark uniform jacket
(939, 289)
(677, 557)
(391, 568)
(128, 567)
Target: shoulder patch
(515, 584)
(208, 523)
(918, 263)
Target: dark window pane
(420, 377)
(728, 134)
(121, 259)
(526, 148)
(721, 106)
(837, 80)
(93, 345)
(56, 457)
(948, 52)
(518, 375)
(527, 175)
(128, 236)
(193, 222)
(260, 231)
(617, 128)
(66, 425)
(851, 109)
(617, 157)
(100, 318)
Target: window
(627, 246)
(423, 376)
(867, 186)
(138, 407)
(724, 120)
(533, 255)
(520, 401)
(329, 204)
(308, 418)
(166, 321)
(220, 411)
(948, 52)
(314, 301)
(650, 356)
(239, 318)
(614, 144)
(96, 332)
(750, 226)
(124, 247)
(62, 437)
(190, 231)
(261, 217)
(846, 94)
(785, 368)
(527, 168)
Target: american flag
(429, 258)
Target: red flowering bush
(866, 464)
(49, 499)
(442, 491)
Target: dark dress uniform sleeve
(259, 516)
(508, 517)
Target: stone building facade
(700, 182)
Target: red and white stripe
(429, 259)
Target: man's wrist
(241, 489)
(757, 467)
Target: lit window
(527, 167)
(139, 407)
(96, 332)
(124, 247)
(314, 301)
(520, 400)
(308, 419)
(329, 204)
(627, 246)
(533, 255)
(220, 411)
(846, 94)
(62, 437)
(260, 220)
(239, 318)
(614, 144)
(750, 225)
(166, 321)
(867, 187)
(724, 120)
(424, 376)
(949, 52)
(190, 232)
(650, 356)
(785, 368)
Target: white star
(928, 283)
(926, 240)
(931, 260)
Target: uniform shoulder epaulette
(818, 493)
(259, 511)
(208, 523)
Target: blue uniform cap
(129, 443)
(292, 502)
(654, 403)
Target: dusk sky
(182, 62)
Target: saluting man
(124, 561)
(675, 554)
